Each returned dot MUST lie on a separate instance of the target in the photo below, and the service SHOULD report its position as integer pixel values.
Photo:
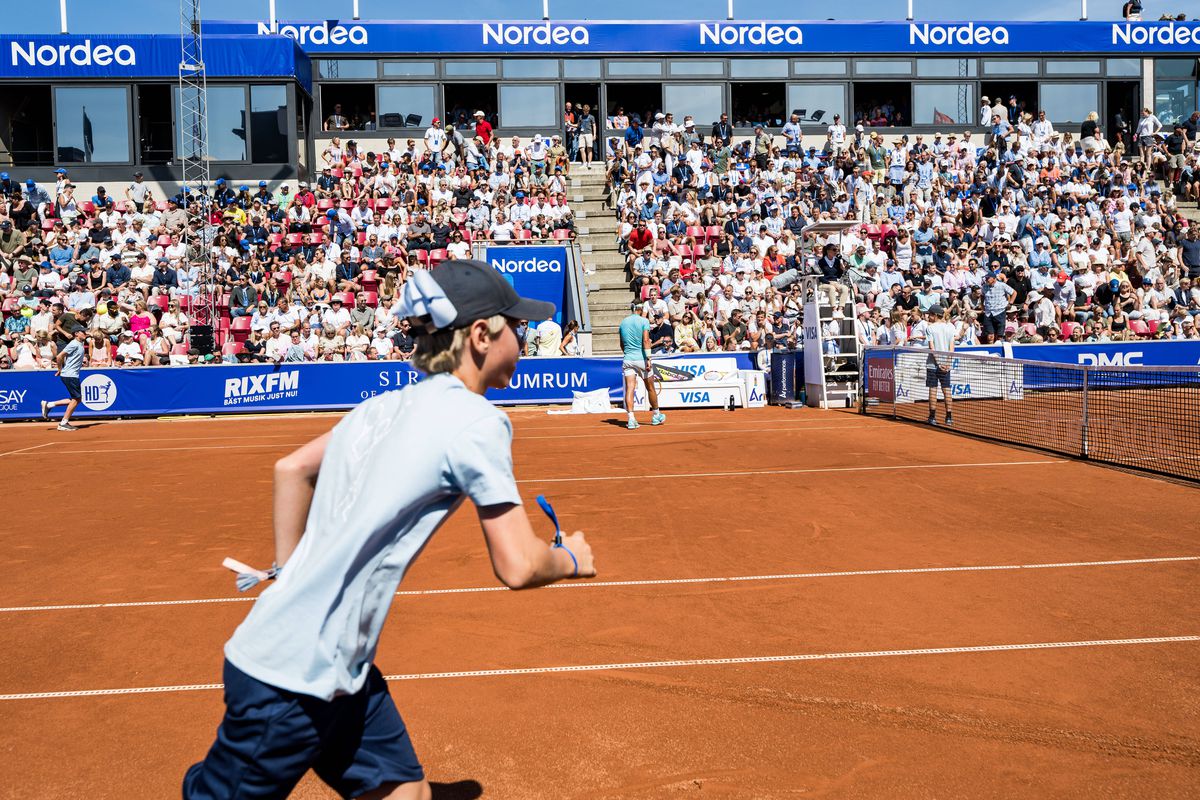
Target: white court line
(25, 449)
(608, 434)
(694, 662)
(788, 471)
(674, 423)
(644, 582)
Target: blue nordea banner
(42, 56)
(153, 391)
(348, 37)
(538, 272)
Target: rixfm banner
(852, 37)
(538, 272)
(154, 391)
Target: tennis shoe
(66, 426)
(632, 424)
(949, 421)
(658, 419)
(932, 421)
(45, 410)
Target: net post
(1084, 433)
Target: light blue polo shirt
(631, 330)
(393, 470)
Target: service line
(695, 662)
(793, 576)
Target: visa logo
(694, 397)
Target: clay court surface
(790, 604)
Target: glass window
(530, 68)
(758, 68)
(409, 69)
(1069, 102)
(1010, 67)
(1174, 89)
(629, 68)
(268, 124)
(703, 102)
(532, 106)
(1125, 67)
(347, 68)
(883, 67)
(943, 104)
(92, 125)
(226, 123)
(470, 69)
(947, 67)
(1073, 67)
(819, 67)
(581, 68)
(698, 68)
(407, 106)
(816, 103)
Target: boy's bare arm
(295, 481)
(520, 559)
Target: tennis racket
(247, 576)
(549, 509)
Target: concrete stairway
(608, 286)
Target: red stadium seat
(164, 241)
(240, 328)
(562, 235)
(713, 233)
(318, 237)
(372, 298)
(346, 204)
(88, 208)
(347, 298)
(160, 300)
(160, 205)
(274, 239)
(383, 203)
(48, 224)
(295, 238)
(438, 256)
(369, 279)
(361, 238)
(696, 232)
(1068, 328)
(121, 206)
(1140, 328)
(338, 173)
(524, 235)
(179, 349)
(422, 257)
(324, 204)
(233, 349)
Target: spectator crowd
(279, 275)
(1024, 233)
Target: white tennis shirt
(393, 470)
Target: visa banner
(538, 272)
(154, 391)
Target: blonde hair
(1092, 117)
(441, 351)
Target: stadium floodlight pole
(62, 14)
(1083, 10)
(910, 14)
(545, 9)
(274, 19)
(356, 9)
(729, 12)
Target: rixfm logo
(504, 33)
(762, 33)
(328, 32)
(968, 35)
(83, 54)
(259, 388)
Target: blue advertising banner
(153, 391)
(42, 57)
(852, 37)
(1114, 354)
(538, 272)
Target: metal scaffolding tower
(193, 154)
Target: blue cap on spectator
(262, 183)
(130, 239)
(60, 171)
(243, 188)
(331, 213)
(426, 168)
(520, 194)
(3, 176)
(420, 201)
(244, 242)
(29, 182)
(993, 274)
(518, 170)
(1114, 283)
(220, 181)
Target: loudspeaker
(785, 279)
(202, 339)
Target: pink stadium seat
(240, 328)
(372, 298)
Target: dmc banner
(851, 37)
(153, 391)
(1112, 354)
(148, 56)
(538, 272)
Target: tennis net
(1145, 418)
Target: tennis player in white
(353, 510)
(940, 335)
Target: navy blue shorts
(270, 737)
(935, 378)
(72, 384)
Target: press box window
(407, 106)
(816, 103)
(269, 124)
(91, 125)
(703, 102)
(529, 106)
(226, 124)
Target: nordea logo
(1154, 34)
(969, 34)
(503, 33)
(762, 33)
(513, 266)
(81, 55)
(319, 34)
